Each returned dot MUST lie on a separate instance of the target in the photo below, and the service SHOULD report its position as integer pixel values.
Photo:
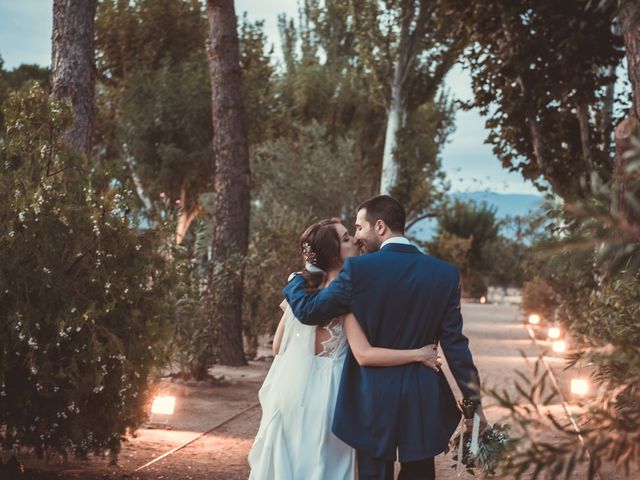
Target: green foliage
(166, 128)
(285, 205)
(146, 35)
(325, 171)
(587, 278)
(421, 182)
(477, 224)
(339, 62)
(273, 255)
(85, 297)
(538, 297)
(18, 78)
(153, 95)
(315, 126)
(539, 69)
(452, 248)
(507, 257)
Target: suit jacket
(403, 299)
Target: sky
(25, 37)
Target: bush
(84, 296)
(539, 297)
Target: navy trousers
(370, 468)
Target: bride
(298, 396)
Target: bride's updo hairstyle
(320, 246)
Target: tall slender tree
(422, 52)
(231, 181)
(73, 71)
(629, 15)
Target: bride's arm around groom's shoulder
(316, 308)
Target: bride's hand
(428, 356)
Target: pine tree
(231, 178)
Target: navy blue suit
(403, 299)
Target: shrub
(84, 296)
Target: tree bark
(629, 15)
(630, 23)
(402, 75)
(395, 118)
(583, 119)
(231, 180)
(73, 70)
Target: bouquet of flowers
(493, 446)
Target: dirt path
(498, 343)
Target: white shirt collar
(400, 240)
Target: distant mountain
(505, 205)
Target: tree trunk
(231, 181)
(630, 23)
(609, 95)
(394, 122)
(73, 71)
(583, 119)
(629, 15)
(397, 113)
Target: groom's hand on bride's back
(429, 357)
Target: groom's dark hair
(387, 209)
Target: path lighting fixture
(579, 386)
(163, 405)
(559, 346)
(534, 319)
(553, 332)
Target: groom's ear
(380, 227)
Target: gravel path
(499, 343)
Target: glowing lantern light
(553, 332)
(559, 346)
(483, 300)
(579, 386)
(534, 319)
(163, 405)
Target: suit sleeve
(455, 346)
(317, 308)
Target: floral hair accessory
(308, 254)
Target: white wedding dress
(298, 398)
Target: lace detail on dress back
(337, 341)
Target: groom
(402, 299)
